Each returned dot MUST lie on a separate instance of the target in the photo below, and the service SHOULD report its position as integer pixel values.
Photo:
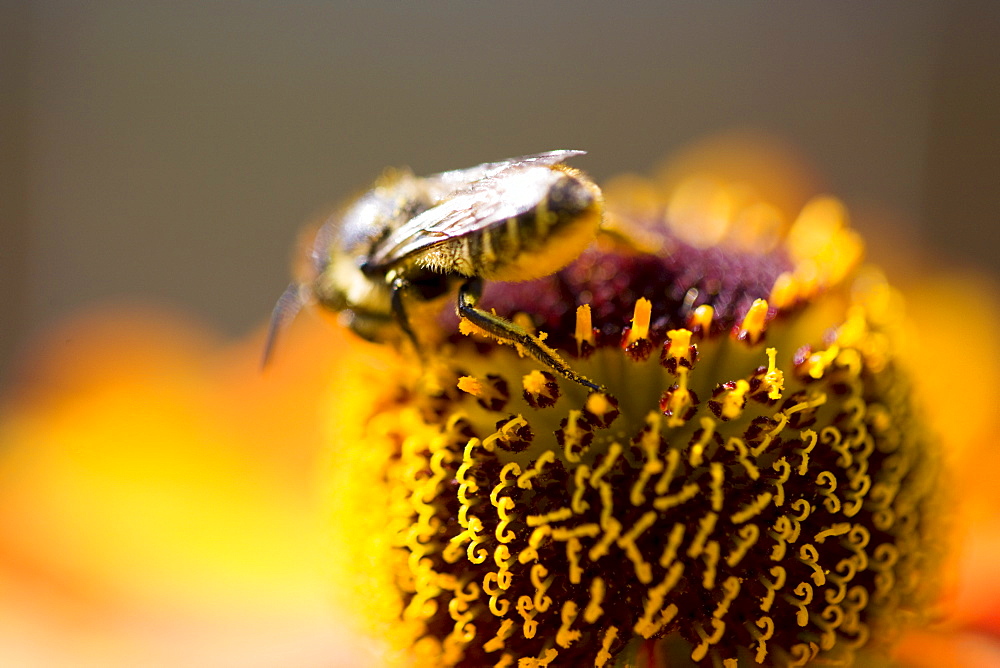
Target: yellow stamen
(807, 278)
(605, 654)
(481, 389)
(680, 400)
(540, 389)
(819, 362)
(701, 319)
(505, 631)
(785, 291)
(566, 636)
(640, 320)
(573, 435)
(598, 404)
(754, 322)
(535, 382)
(679, 350)
(774, 379)
(594, 610)
(680, 342)
(584, 327)
(735, 399)
(506, 434)
(855, 329)
(821, 235)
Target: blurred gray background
(168, 152)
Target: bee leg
(399, 286)
(505, 330)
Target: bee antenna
(288, 305)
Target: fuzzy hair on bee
(410, 241)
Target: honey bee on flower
(412, 240)
(744, 482)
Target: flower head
(754, 485)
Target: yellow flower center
(753, 487)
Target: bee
(413, 240)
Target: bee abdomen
(567, 200)
(542, 240)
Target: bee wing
(483, 203)
(447, 183)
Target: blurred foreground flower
(158, 505)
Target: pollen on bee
(752, 328)
(584, 334)
(640, 320)
(466, 327)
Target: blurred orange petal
(157, 501)
(956, 362)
